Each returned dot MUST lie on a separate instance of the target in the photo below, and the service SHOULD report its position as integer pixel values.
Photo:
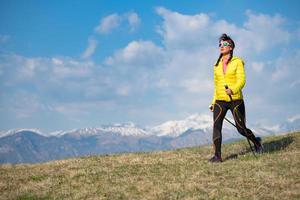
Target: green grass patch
(38, 177)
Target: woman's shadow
(269, 147)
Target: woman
(229, 79)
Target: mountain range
(33, 145)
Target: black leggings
(237, 109)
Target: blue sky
(75, 64)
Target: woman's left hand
(228, 91)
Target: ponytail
(217, 63)
(230, 56)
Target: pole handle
(226, 87)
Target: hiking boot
(215, 158)
(258, 146)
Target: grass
(178, 174)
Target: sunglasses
(224, 44)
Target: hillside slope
(179, 174)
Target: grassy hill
(179, 174)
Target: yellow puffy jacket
(234, 77)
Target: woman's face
(225, 47)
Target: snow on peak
(60, 133)
(173, 128)
(80, 132)
(125, 129)
(15, 131)
(293, 118)
(177, 127)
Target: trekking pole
(230, 122)
(238, 115)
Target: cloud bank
(149, 83)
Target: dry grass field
(179, 174)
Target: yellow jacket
(234, 77)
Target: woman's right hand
(211, 107)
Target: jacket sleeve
(240, 77)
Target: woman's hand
(229, 91)
(211, 107)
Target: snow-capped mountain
(172, 128)
(265, 130)
(125, 129)
(14, 131)
(32, 145)
(292, 124)
(176, 128)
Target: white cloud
(65, 67)
(57, 61)
(22, 104)
(29, 68)
(71, 110)
(197, 85)
(16, 68)
(261, 32)
(185, 31)
(44, 73)
(113, 21)
(287, 67)
(133, 20)
(258, 66)
(81, 112)
(137, 53)
(108, 23)
(123, 90)
(136, 67)
(280, 73)
(162, 83)
(92, 45)
(66, 79)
